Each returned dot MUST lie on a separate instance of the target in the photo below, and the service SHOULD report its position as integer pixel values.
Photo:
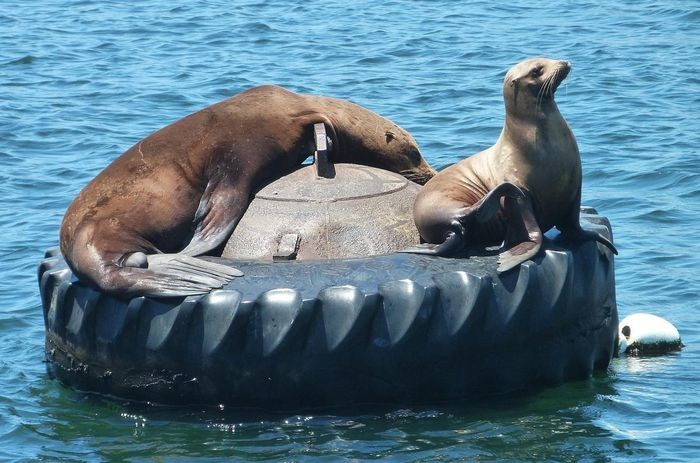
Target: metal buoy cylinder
(360, 211)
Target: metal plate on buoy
(360, 211)
(351, 181)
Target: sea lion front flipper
(219, 211)
(172, 275)
(182, 264)
(523, 238)
(601, 239)
(571, 228)
(581, 235)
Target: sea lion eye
(536, 72)
(389, 136)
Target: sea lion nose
(563, 67)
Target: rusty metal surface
(361, 211)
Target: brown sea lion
(514, 191)
(180, 192)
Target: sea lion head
(529, 86)
(375, 141)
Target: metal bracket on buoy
(324, 168)
(288, 248)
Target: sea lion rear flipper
(463, 219)
(454, 241)
(523, 238)
(488, 206)
(517, 255)
(219, 211)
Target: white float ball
(644, 333)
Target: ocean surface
(82, 81)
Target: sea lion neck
(336, 138)
(532, 132)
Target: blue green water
(80, 82)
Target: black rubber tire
(394, 328)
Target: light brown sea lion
(514, 191)
(180, 192)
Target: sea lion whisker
(546, 87)
(560, 77)
(415, 177)
(422, 179)
(549, 84)
(541, 95)
(539, 98)
(555, 80)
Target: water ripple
(82, 82)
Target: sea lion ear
(513, 82)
